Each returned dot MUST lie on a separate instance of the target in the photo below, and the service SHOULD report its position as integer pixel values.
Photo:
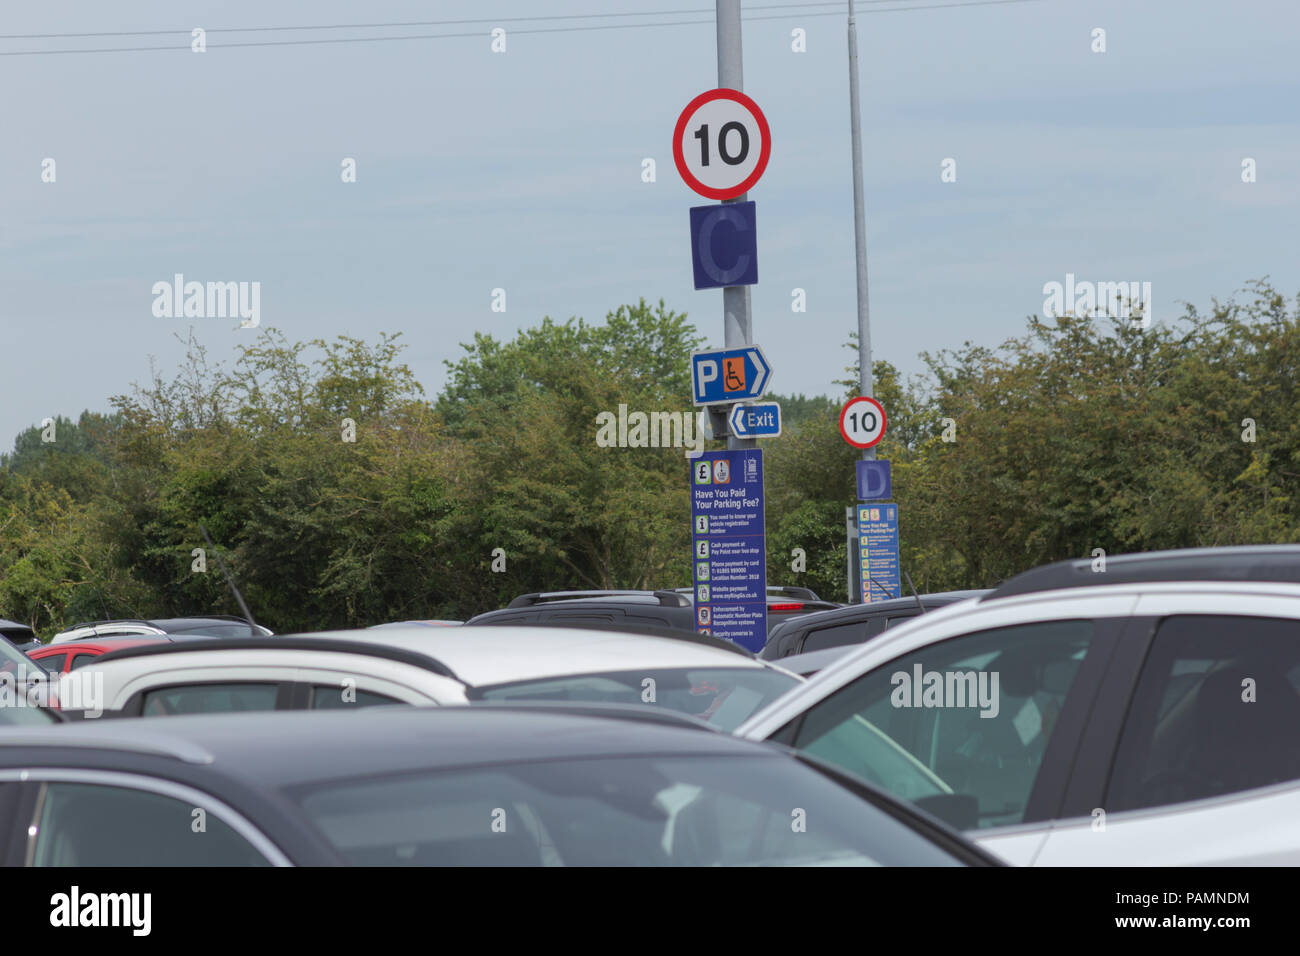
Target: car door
(97, 818)
(979, 729)
(1205, 767)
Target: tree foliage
(1079, 434)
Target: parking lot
(483, 438)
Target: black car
(460, 786)
(19, 635)
(853, 624)
(637, 610)
(611, 610)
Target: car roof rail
(806, 593)
(666, 598)
(297, 642)
(1268, 563)
(113, 620)
(148, 744)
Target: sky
(522, 170)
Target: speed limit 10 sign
(862, 422)
(721, 143)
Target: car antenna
(914, 594)
(881, 586)
(252, 628)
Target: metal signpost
(721, 145)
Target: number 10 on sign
(862, 422)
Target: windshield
(724, 696)
(706, 810)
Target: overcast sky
(522, 170)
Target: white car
(1078, 716)
(435, 665)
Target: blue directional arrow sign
(723, 376)
(756, 421)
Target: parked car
(1160, 696)
(784, 604)
(219, 625)
(19, 635)
(611, 610)
(24, 690)
(61, 658)
(436, 787)
(637, 610)
(854, 624)
(348, 669)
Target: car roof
(856, 612)
(288, 748)
(485, 655)
(488, 654)
(1276, 563)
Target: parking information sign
(878, 552)
(729, 568)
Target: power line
(477, 33)
(426, 23)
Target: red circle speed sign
(862, 421)
(721, 143)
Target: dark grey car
(405, 786)
(854, 624)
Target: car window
(97, 825)
(975, 713)
(209, 699)
(839, 635)
(1214, 712)
(897, 619)
(648, 811)
(80, 659)
(336, 697)
(52, 663)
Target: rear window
(724, 696)
(706, 810)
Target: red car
(61, 658)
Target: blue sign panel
(724, 245)
(878, 553)
(729, 569)
(723, 376)
(756, 421)
(874, 482)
